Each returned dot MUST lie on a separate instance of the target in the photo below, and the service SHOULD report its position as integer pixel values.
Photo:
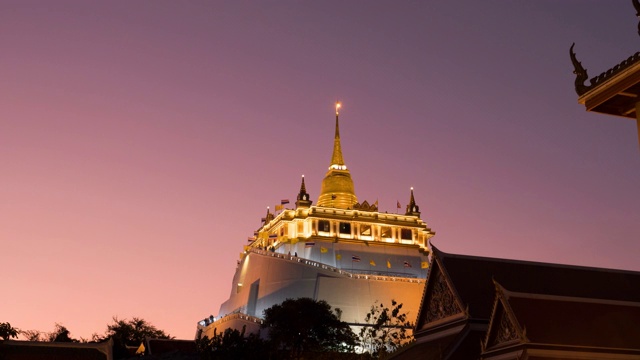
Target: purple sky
(141, 142)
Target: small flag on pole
(338, 256)
(372, 263)
(284, 201)
(398, 205)
(407, 264)
(273, 236)
(251, 238)
(279, 207)
(388, 264)
(355, 258)
(309, 244)
(424, 264)
(323, 249)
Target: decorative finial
(303, 189)
(636, 5)
(412, 208)
(303, 196)
(337, 162)
(268, 217)
(581, 73)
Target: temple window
(405, 234)
(365, 230)
(345, 228)
(324, 226)
(385, 232)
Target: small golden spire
(412, 208)
(303, 196)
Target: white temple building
(339, 250)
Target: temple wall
(267, 280)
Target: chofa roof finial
(581, 73)
(636, 5)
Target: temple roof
(614, 91)
(576, 321)
(472, 277)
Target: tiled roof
(597, 80)
(578, 322)
(473, 276)
(37, 350)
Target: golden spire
(337, 187)
(336, 157)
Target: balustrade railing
(352, 273)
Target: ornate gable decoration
(366, 207)
(506, 330)
(440, 301)
(503, 325)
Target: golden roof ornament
(337, 187)
(337, 162)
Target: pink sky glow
(141, 142)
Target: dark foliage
(386, 329)
(232, 345)
(60, 334)
(129, 333)
(7, 331)
(306, 328)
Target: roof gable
(504, 328)
(440, 302)
(578, 321)
(473, 278)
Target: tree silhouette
(305, 326)
(60, 334)
(129, 333)
(7, 331)
(32, 335)
(232, 345)
(386, 329)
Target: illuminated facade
(340, 250)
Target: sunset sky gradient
(141, 141)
